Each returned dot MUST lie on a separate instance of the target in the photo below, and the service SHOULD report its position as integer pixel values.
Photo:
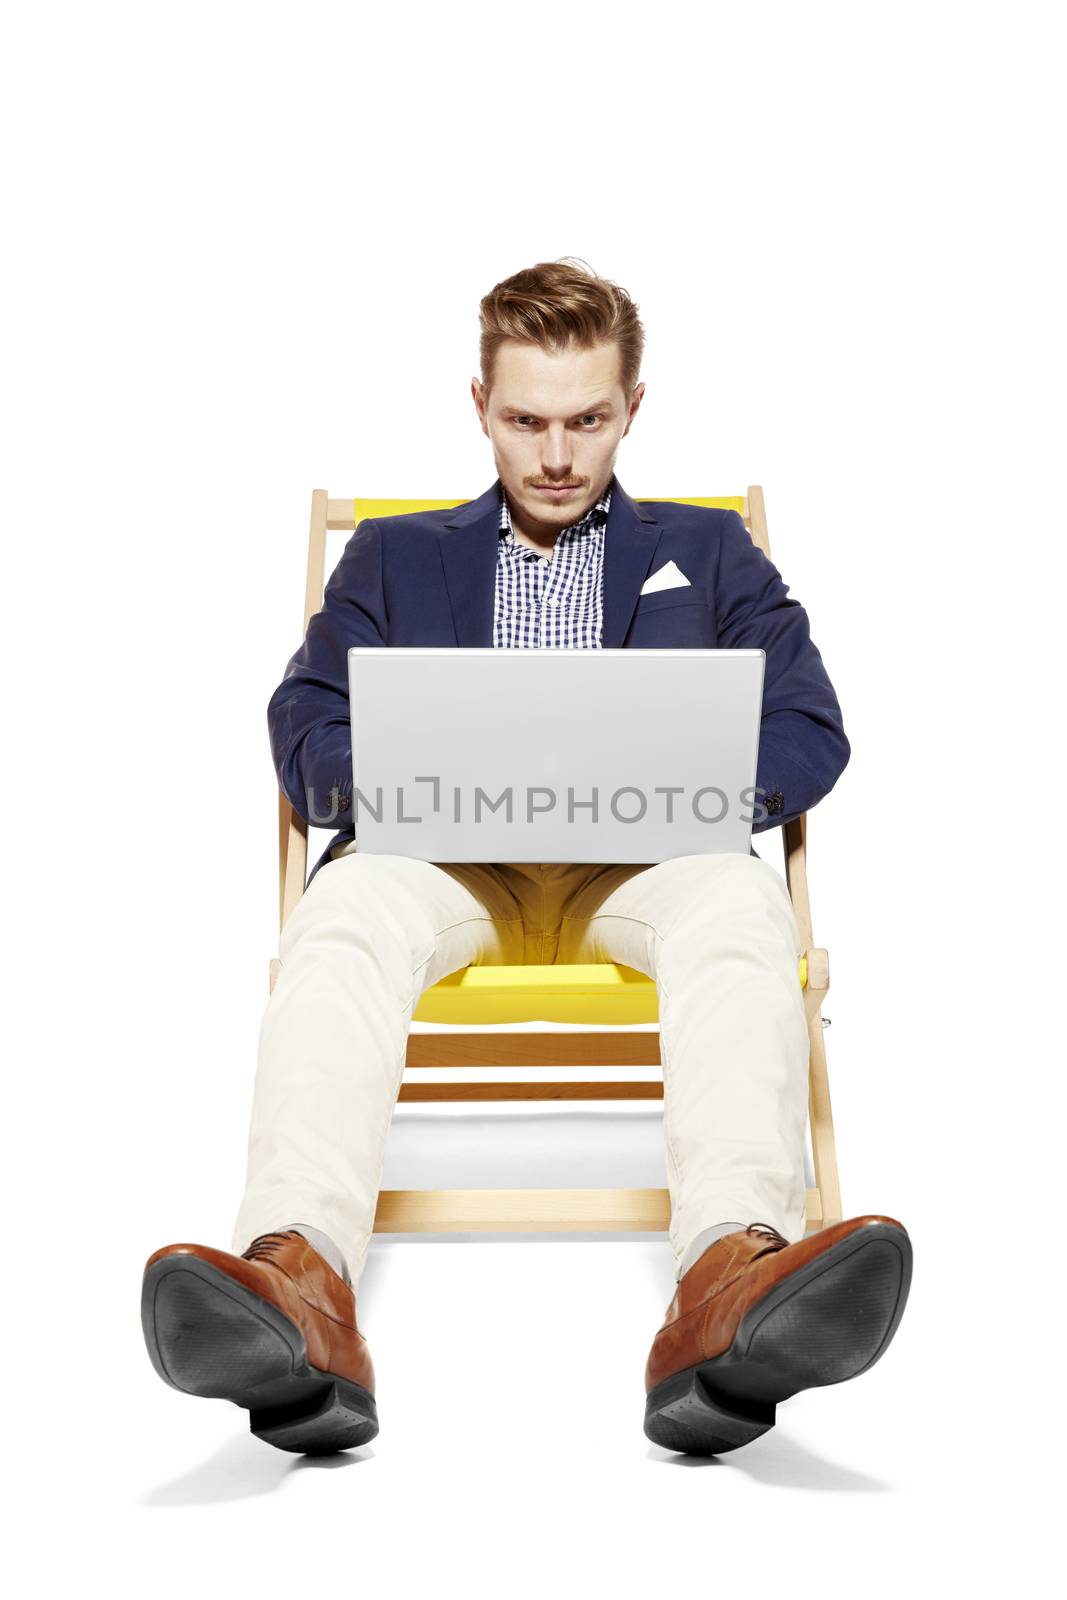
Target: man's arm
(803, 749)
(308, 715)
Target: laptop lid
(562, 755)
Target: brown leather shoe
(756, 1318)
(273, 1330)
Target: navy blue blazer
(429, 578)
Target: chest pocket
(678, 619)
(684, 595)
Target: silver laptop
(562, 755)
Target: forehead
(564, 381)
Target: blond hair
(556, 303)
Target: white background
(245, 249)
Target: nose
(556, 453)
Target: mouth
(554, 492)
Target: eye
(593, 417)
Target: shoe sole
(828, 1321)
(209, 1336)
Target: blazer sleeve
(803, 749)
(308, 716)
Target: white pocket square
(668, 577)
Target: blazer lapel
(630, 542)
(469, 553)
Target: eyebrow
(524, 411)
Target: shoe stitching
(268, 1261)
(349, 1326)
(702, 1308)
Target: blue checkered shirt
(552, 601)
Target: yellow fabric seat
(603, 992)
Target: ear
(635, 402)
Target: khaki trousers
(371, 932)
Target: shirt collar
(597, 513)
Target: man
(554, 554)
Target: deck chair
(589, 998)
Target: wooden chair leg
(823, 1149)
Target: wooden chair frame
(558, 1210)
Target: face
(555, 422)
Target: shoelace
(265, 1244)
(765, 1229)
